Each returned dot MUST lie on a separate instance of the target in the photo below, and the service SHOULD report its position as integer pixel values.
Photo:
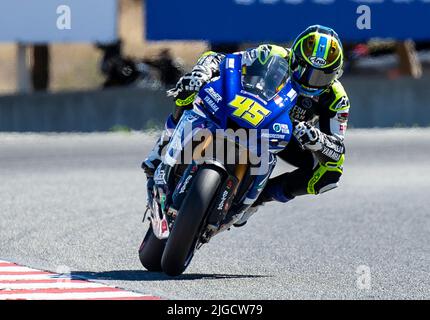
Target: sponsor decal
(342, 128)
(191, 118)
(318, 62)
(307, 103)
(273, 135)
(249, 57)
(285, 129)
(215, 95)
(230, 63)
(298, 113)
(343, 103)
(342, 117)
(331, 154)
(333, 146)
(281, 127)
(223, 199)
(184, 186)
(292, 94)
(211, 103)
(159, 178)
(279, 101)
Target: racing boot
(154, 158)
(150, 164)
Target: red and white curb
(23, 283)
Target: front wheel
(186, 229)
(151, 251)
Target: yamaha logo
(318, 62)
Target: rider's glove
(190, 82)
(308, 136)
(207, 67)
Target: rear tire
(151, 251)
(181, 243)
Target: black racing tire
(151, 251)
(181, 243)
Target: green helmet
(316, 60)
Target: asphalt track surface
(76, 201)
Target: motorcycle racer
(320, 114)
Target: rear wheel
(151, 251)
(181, 243)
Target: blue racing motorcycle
(198, 190)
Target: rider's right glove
(189, 84)
(207, 67)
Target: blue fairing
(224, 104)
(218, 96)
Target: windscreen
(265, 79)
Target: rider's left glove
(309, 137)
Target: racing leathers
(317, 149)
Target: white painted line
(17, 269)
(66, 296)
(58, 285)
(27, 277)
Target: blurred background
(104, 65)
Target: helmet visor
(312, 77)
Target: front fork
(157, 193)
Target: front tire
(187, 226)
(151, 251)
